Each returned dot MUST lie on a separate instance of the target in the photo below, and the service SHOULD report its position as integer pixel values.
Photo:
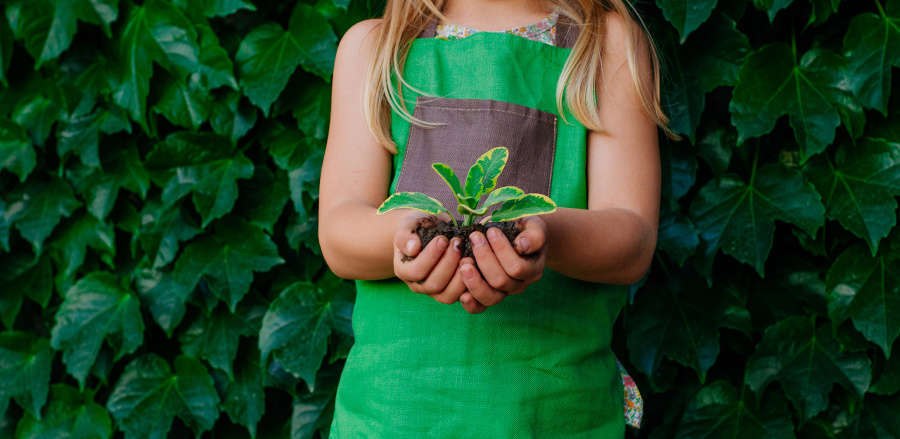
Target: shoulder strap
(567, 32)
(430, 29)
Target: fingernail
(410, 245)
(494, 234)
(442, 244)
(524, 245)
(468, 272)
(455, 245)
(477, 239)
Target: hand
(505, 269)
(432, 270)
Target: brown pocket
(469, 128)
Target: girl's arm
(614, 239)
(356, 173)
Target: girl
(517, 346)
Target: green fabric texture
(537, 365)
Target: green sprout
(481, 182)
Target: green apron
(537, 365)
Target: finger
(454, 289)
(490, 266)
(479, 288)
(445, 269)
(416, 270)
(533, 235)
(406, 237)
(526, 269)
(471, 305)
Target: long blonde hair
(404, 20)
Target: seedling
(480, 183)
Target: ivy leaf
(679, 173)
(771, 7)
(314, 411)
(888, 381)
(717, 411)
(94, 309)
(866, 290)
(148, 396)
(185, 104)
(227, 259)
(886, 127)
(23, 277)
(773, 83)
(859, 186)
(25, 364)
(37, 207)
(219, 8)
(296, 328)
(162, 228)
(269, 55)
(122, 169)
(677, 235)
(70, 415)
(263, 198)
(48, 27)
(216, 68)
(38, 112)
(215, 337)
(313, 109)
(156, 31)
(202, 163)
(739, 218)
(231, 117)
(243, 398)
(75, 236)
(876, 419)
(807, 362)
(822, 10)
(872, 46)
(711, 59)
(686, 16)
(165, 295)
(683, 326)
(6, 50)
(100, 12)
(16, 153)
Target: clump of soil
(426, 234)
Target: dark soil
(426, 234)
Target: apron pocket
(469, 128)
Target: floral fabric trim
(543, 31)
(634, 404)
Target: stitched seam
(542, 119)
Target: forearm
(357, 243)
(608, 246)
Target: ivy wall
(160, 274)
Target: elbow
(635, 267)
(330, 254)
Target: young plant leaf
(492, 163)
(468, 211)
(452, 180)
(530, 204)
(475, 181)
(501, 195)
(412, 200)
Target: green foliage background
(160, 274)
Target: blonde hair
(576, 89)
